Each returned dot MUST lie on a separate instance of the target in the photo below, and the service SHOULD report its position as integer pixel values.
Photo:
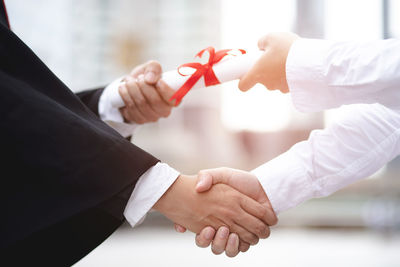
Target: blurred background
(90, 43)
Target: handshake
(224, 206)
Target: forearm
(336, 73)
(332, 158)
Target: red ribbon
(201, 70)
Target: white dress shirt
(154, 182)
(324, 74)
(321, 75)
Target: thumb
(152, 72)
(206, 178)
(204, 181)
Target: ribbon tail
(185, 88)
(179, 95)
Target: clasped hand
(229, 200)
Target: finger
(244, 234)
(130, 106)
(132, 116)
(152, 72)
(243, 246)
(260, 211)
(156, 103)
(252, 225)
(205, 237)
(165, 92)
(207, 178)
(123, 92)
(232, 246)
(220, 240)
(248, 80)
(138, 70)
(179, 228)
(273, 219)
(139, 99)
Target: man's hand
(270, 69)
(245, 183)
(145, 95)
(219, 206)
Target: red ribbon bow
(201, 70)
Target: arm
(330, 73)
(91, 99)
(329, 160)
(338, 73)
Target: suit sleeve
(91, 99)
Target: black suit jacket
(65, 175)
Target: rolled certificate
(228, 69)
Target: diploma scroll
(228, 69)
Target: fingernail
(233, 240)
(209, 234)
(200, 184)
(224, 232)
(150, 77)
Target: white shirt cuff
(148, 190)
(110, 114)
(285, 182)
(305, 75)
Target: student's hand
(270, 69)
(145, 95)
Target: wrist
(175, 196)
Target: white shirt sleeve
(111, 115)
(331, 159)
(324, 74)
(148, 190)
